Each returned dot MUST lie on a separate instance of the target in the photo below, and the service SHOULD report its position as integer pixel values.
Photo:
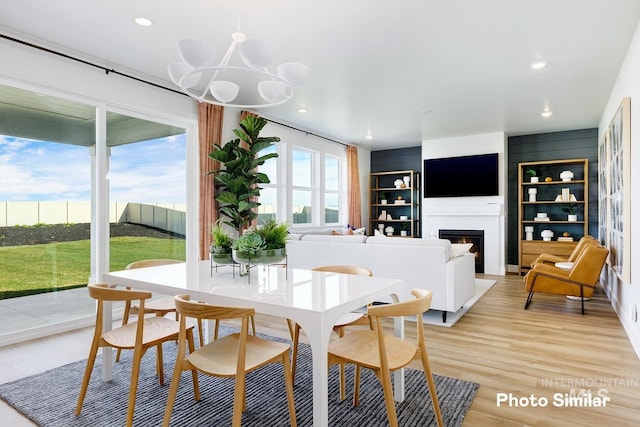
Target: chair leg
(133, 388)
(356, 386)
(343, 391)
(432, 386)
(87, 376)
(200, 333)
(294, 355)
(529, 298)
(238, 399)
(215, 330)
(160, 364)
(387, 388)
(253, 326)
(288, 380)
(173, 391)
(194, 373)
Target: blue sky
(147, 172)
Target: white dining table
(313, 299)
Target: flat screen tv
(465, 176)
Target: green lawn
(32, 269)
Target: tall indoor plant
(238, 183)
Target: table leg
(318, 336)
(398, 376)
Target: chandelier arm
(223, 64)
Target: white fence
(167, 216)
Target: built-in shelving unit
(400, 207)
(551, 197)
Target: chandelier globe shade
(240, 78)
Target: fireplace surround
(475, 237)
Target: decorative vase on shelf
(547, 235)
(532, 194)
(528, 230)
(389, 231)
(407, 180)
(566, 175)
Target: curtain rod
(91, 64)
(114, 71)
(304, 131)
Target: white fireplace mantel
(467, 213)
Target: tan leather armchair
(580, 281)
(552, 259)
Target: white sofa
(421, 263)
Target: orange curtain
(353, 190)
(209, 132)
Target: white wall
(625, 297)
(478, 213)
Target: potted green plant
(383, 197)
(405, 228)
(238, 183)
(533, 174)
(572, 211)
(265, 244)
(221, 245)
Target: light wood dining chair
(232, 356)
(160, 307)
(138, 336)
(349, 319)
(384, 353)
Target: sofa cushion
(353, 238)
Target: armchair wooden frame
(138, 336)
(385, 353)
(230, 356)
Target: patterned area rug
(49, 398)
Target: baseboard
(630, 326)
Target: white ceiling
(403, 70)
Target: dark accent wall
(397, 160)
(575, 144)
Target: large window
(302, 184)
(307, 180)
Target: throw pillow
(459, 249)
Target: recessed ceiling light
(539, 64)
(143, 22)
(546, 113)
(303, 110)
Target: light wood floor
(549, 348)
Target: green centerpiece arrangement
(265, 244)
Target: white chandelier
(235, 83)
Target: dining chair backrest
(346, 269)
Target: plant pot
(383, 201)
(403, 233)
(535, 179)
(222, 258)
(263, 257)
(572, 218)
